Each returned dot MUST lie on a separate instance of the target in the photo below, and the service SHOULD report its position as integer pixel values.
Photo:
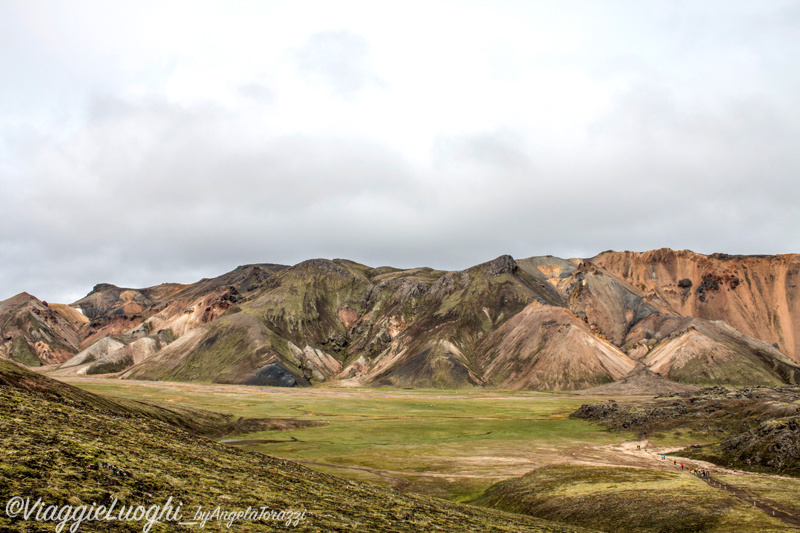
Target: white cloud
(338, 60)
(142, 143)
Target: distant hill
(541, 323)
(34, 333)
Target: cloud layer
(153, 143)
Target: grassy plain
(60, 447)
(451, 444)
(514, 451)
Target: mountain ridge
(536, 323)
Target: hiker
(681, 466)
(675, 462)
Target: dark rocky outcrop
(758, 427)
(275, 375)
(502, 265)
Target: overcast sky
(144, 142)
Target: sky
(149, 142)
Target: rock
(504, 264)
(447, 284)
(274, 375)
(125, 357)
(96, 351)
(327, 266)
(710, 283)
(411, 289)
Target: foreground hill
(619, 499)
(754, 429)
(70, 447)
(537, 323)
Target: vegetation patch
(625, 499)
(22, 353)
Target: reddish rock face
(348, 316)
(757, 295)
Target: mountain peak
(504, 264)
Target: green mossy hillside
(617, 499)
(85, 449)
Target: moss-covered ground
(69, 447)
(451, 444)
(618, 499)
(783, 491)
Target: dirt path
(767, 506)
(642, 453)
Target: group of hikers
(699, 472)
(704, 474)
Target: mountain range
(541, 323)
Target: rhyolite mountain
(34, 333)
(538, 323)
